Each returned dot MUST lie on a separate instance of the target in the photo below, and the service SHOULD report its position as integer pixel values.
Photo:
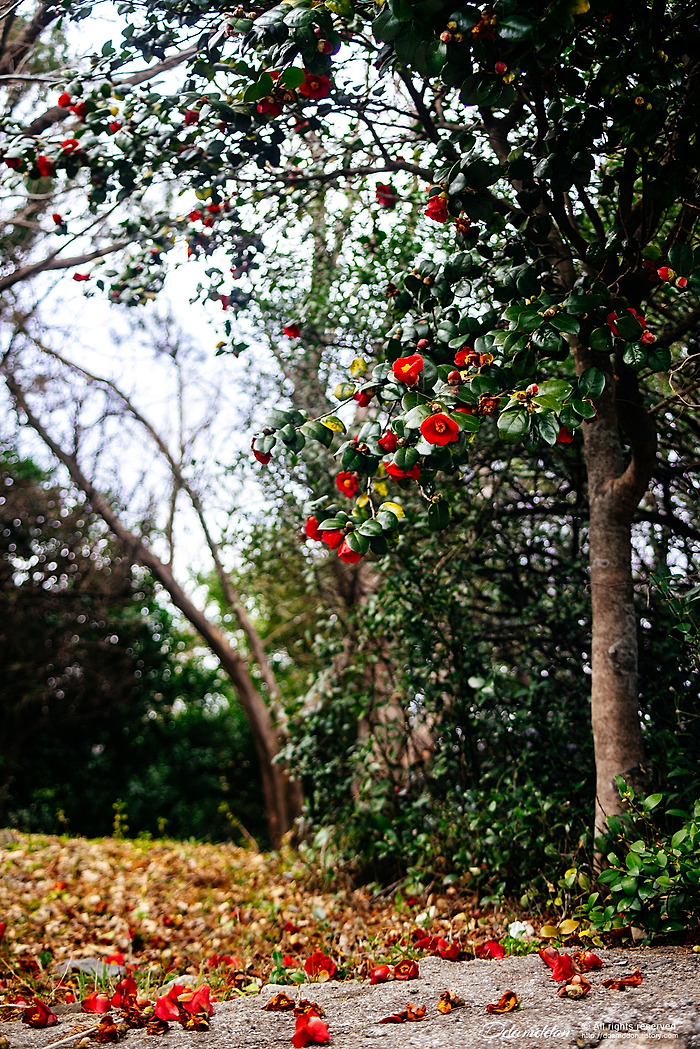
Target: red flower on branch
(348, 555)
(315, 86)
(439, 429)
(81, 276)
(565, 435)
(386, 196)
(115, 126)
(292, 331)
(407, 369)
(45, 166)
(79, 110)
(363, 397)
(347, 483)
(269, 105)
(70, 145)
(398, 474)
(64, 100)
(389, 442)
(437, 208)
(332, 537)
(191, 117)
(311, 529)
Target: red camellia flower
(310, 1030)
(439, 429)
(116, 125)
(58, 219)
(648, 337)
(191, 117)
(395, 471)
(466, 357)
(666, 273)
(565, 435)
(166, 1008)
(311, 528)
(437, 208)
(347, 483)
(386, 196)
(315, 86)
(45, 166)
(612, 317)
(348, 555)
(490, 949)
(407, 369)
(96, 1003)
(681, 282)
(292, 331)
(587, 961)
(195, 215)
(318, 963)
(79, 110)
(197, 1001)
(13, 162)
(81, 276)
(380, 974)
(363, 397)
(388, 442)
(332, 537)
(269, 105)
(563, 968)
(449, 951)
(406, 969)
(70, 145)
(501, 68)
(124, 993)
(39, 1015)
(64, 100)
(262, 457)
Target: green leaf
(628, 327)
(651, 802)
(277, 418)
(292, 77)
(601, 340)
(358, 543)
(512, 425)
(584, 408)
(439, 514)
(470, 423)
(388, 521)
(299, 17)
(565, 322)
(680, 258)
(318, 432)
(591, 382)
(405, 458)
(558, 388)
(548, 427)
(549, 342)
(659, 358)
(370, 528)
(529, 319)
(635, 356)
(515, 28)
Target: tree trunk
(281, 796)
(618, 476)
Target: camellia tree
(559, 151)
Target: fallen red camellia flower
(632, 980)
(449, 951)
(380, 974)
(406, 969)
(563, 968)
(166, 1008)
(505, 1004)
(107, 1031)
(577, 987)
(124, 993)
(490, 949)
(96, 1003)
(39, 1015)
(318, 964)
(587, 961)
(411, 1014)
(310, 1030)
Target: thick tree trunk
(281, 796)
(618, 476)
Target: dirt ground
(663, 1011)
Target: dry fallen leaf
(306, 1006)
(279, 1003)
(622, 983)
(505, 1004)
(449, 1001)
(411, 1014)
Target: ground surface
(172, 908)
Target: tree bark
(618, 476)
(280, 796)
